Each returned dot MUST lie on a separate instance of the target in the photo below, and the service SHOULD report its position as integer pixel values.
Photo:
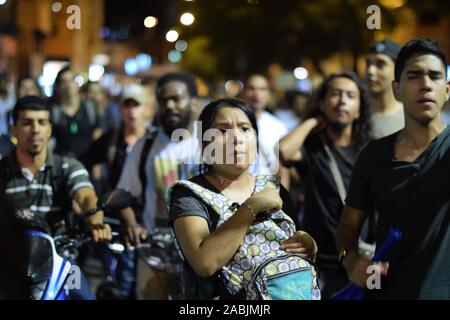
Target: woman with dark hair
(228, 222)
(324, 149)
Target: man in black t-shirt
(75, 122)
(332, 139)
(406, 178)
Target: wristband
(251, 209)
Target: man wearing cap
(387, 113)
(112, 149)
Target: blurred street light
(393, 4)
(233, 87)
(150, 22)
(56, 6)
(174, 56)
(181, 45)
(96, 71)
(172, 35)
(187, 18)
(131, 67)
(101, 59)
(105, 32)
(144, 61)
(79, 80)
(2, 2)
(300, 73)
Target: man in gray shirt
(387, 113)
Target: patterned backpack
(259, 266)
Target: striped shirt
(32, 196)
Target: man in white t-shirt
(257, 94)
(166, 161)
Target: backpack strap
(337, 177)
(111, 153)
(150, 138)
(217, 201)
(92, 113)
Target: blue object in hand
(352, 291)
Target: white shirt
(167, 162)
(384, 125)
(270, 131)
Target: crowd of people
(311, 189)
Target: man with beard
(155, 163)
(324, 149)
(387, 113)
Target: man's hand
(86, 199)
(301, 243)
(134, 234)
(100, 232)
(357, 265)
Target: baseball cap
(387, 47)
(135, 92)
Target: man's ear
(396, 90)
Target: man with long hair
(324, 149)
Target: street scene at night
(198, 150)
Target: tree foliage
(247, 38)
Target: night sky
(131, 14)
